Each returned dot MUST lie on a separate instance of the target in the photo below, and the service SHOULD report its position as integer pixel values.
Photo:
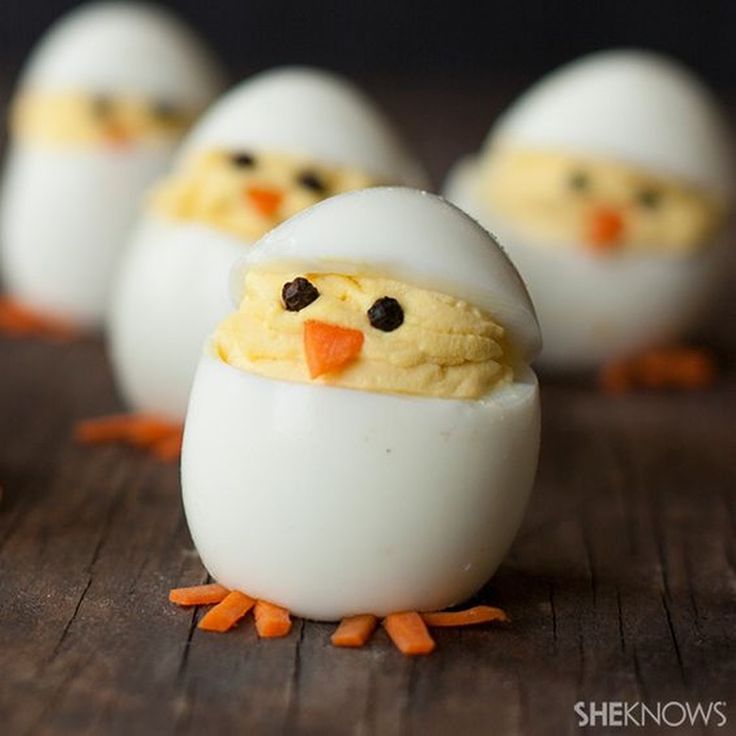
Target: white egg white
(332, 501)
(64, 216)
(171, 291)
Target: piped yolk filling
(247, 193)
(444, 348)
(84, 119)
(562, 197)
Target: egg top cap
(407, 235)
(125, 48)
(307, 111)
(635, 106)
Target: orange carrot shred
(476, 615)
(661, 368)
(329, 347)
(19, 321)
(354, 631)
(198, 595)
(168, 448)
(227, 612)
(271, 621)
(139, 430)
(409, 633)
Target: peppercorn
(298, 294)
(386, 314)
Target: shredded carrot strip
(168, 448)
(409, 633)
(271, 621)
(684, 368)
(198, 595)
(17, 320)
(354, 631)
(476, 615)
(227, 612)
(141, 430)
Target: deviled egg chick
(609, 183)
(274, 145)
(368, 405)
(103, 102)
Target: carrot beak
(265, 201)
(329, 348)
(604, 228)
(116, 135)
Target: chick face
(247, 193)
(607, 206)
(102, 119)
(368, 333)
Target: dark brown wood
(621, 584)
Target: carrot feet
(160, 437)
(662, 368)
(17, 320)
(271, 621)
(409, 630)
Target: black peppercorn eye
(649, 198)
(102, 106)
(243, 160)
(312, 181)
(298, 294)
(386, 314)
(164, 110)
(578, 181)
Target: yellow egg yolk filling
(84, 119)
(444, 347)
(561, 197)
(247, 193)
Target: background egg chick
(247, 192)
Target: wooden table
(621, 584)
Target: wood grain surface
(621, 584)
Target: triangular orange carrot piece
(476, 615)
(409, 633)
(329, 348)
(227, 613)
(198, 595)
(354, 631)
(271, 621)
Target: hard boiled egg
(362, 433)
(609, 182)
(272, 146)
(99, 109)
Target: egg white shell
(412, 236)
(64, 216)
(334, 502)
(310, 112)
(125, 48)
(594, 309)
(170, 294)
(631, 106)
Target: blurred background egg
(97, 114)
(380, 501)
(273, 145)
(610, 183)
